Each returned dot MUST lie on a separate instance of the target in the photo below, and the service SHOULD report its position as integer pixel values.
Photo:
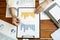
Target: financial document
(29, 26)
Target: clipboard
(29, 26)
(54, 13)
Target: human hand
(38, 9)
(42, 6)
(15, 20)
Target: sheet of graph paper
(7, 31)
(55, 12)
(29, 25)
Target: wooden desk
(46, 26)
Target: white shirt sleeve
(11, 3)
(40, 1)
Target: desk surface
(46, 26)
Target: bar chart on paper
(27, 14)
(29, 26)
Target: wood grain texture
(46, 26)
(2, 4)
(2, 0)
(2, 11)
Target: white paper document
(29, 26)
(20, 3)
(27, 3)
(55, 12)
(43, 16)
(7, 31)
(56, 35)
